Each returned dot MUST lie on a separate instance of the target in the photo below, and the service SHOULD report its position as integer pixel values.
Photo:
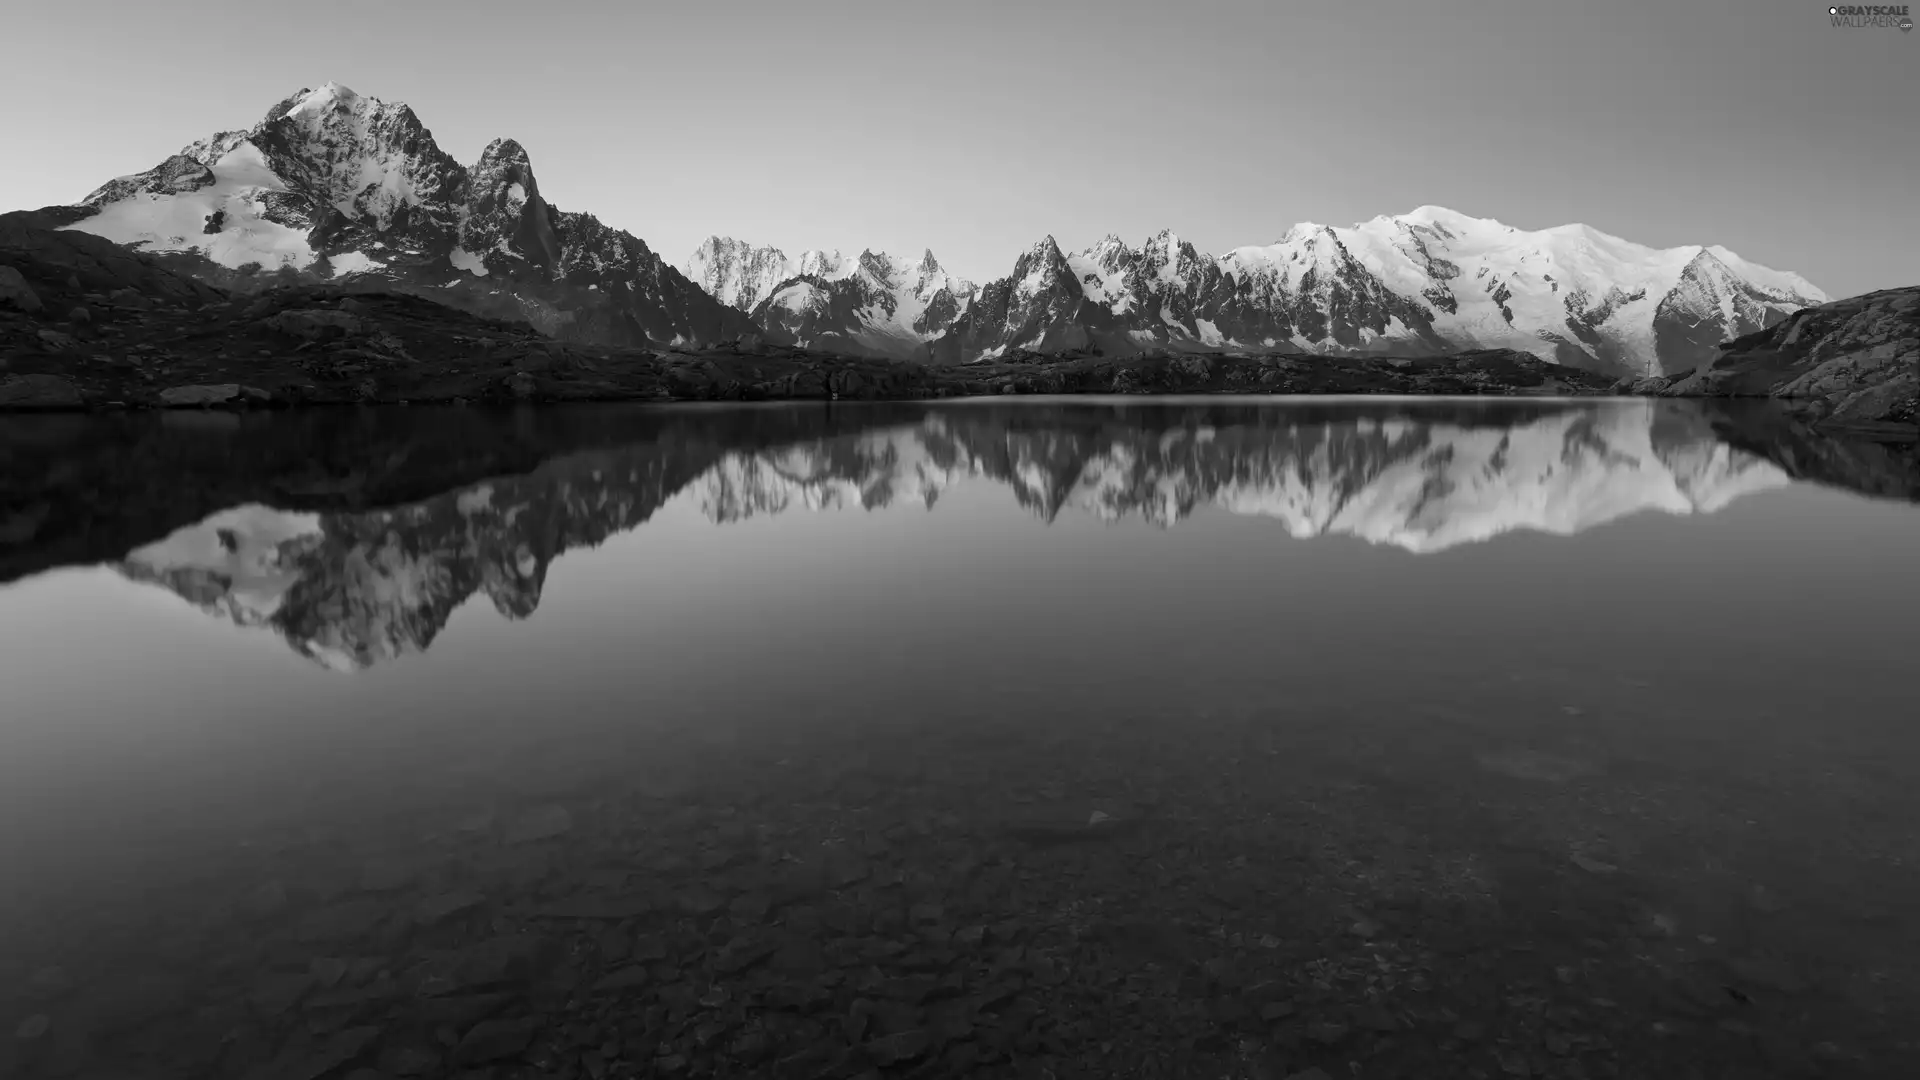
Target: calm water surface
(1211, 739)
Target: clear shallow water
(1190, 739)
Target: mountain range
(353, 589)
(1424, 283)
(333, 183)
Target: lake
(1088, 738)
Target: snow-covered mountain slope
(871, 304)
(1424, 282)
(350, 590)
(331, 182)
(741, 275)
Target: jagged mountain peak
(371, 160)
(717, 244)
(504, 151)
(361, 182)
(873, 303)
(822, 263)
(1041, 266)
(327, 97)
(1164, 241)
(1045, 247)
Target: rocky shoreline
(1852, 364)
(87, 325)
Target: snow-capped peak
(874, 302)
(1440, 215)
(736, 273)
(330, 95)
(334, 173)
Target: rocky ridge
(1854, 361)
(874, 304)
(331, 183)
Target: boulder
(39, 392)
(130, 298)
(1193, 367)
(1639, 386)
(16, 293)
(202, 394)
(312, 324)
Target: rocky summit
(333, 184)
(874, 304)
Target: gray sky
(976, 128)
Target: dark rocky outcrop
(60, 267)
(1849, 363)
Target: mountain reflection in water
(351, 588)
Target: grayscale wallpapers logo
(1898, 16)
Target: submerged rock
(211, 394)
(316, 323)
(39, 392)
(543, 823)
(495, 1040)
